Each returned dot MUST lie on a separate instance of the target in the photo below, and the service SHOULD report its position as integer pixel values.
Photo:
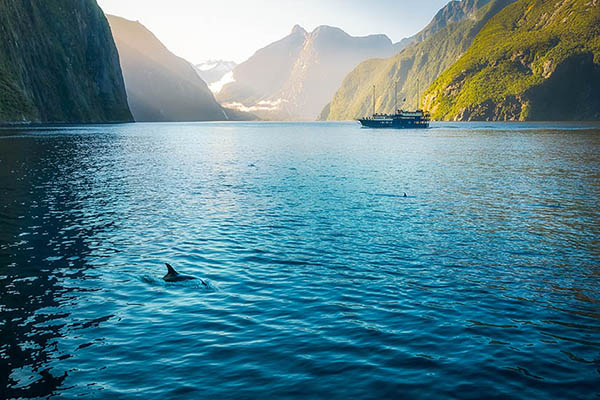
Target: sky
(199, 30)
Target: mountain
(434, 49)
(160, 86)
(454, 11)
(263, 74)
(296, 76)
(535, 60)
(214, 72)
(58, 63)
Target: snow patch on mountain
(212, 71)
(216, 87)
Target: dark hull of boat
(394, 123)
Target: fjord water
(324, 280)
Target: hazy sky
(234, 29)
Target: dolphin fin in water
(170, 269)
(174, 276)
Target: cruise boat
(400, 120)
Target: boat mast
(418, 95)
(396, 97)
(373, 99)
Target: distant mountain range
(296, 76)
(476, 60)
(216, 73)
(58, 63)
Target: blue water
(323, 279)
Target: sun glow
(235, 29)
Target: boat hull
(393, 123)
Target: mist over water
(323, 280)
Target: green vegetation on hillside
(536, 59)
(414, 68)
(14, 106)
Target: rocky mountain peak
(298, 29)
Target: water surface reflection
(324, 279)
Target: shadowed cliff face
(58, 63)
(571, 92)
(160, 85)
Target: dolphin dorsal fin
(171, 269)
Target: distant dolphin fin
(171, 269)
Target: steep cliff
(58, 63)
(535, 60)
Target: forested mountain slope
(535, 60)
